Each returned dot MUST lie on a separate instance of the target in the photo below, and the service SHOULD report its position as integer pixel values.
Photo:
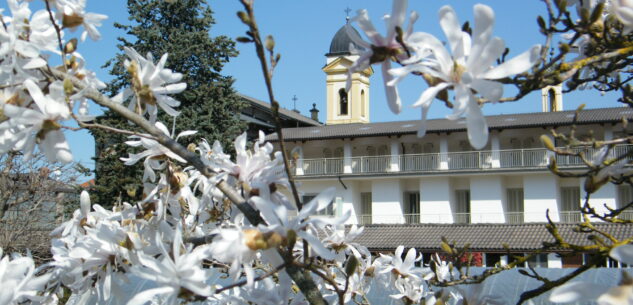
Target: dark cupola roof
(340, 43)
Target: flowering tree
(206, 216)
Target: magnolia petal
(84, 203)
(171, 89)
(35, 63)
(476, 124)
(462, 101)
(487, 57)
(36, 94)
(490, 90)
(393, 98)
(451, 27)
(409, 259)
(576, 291)
(317, 246)
(396, 19)
(516, 65)
(320, 202)
(146, 296)
(623, 254)
(429, 94)
(422, 126)
(365, 24)
(266, 209)
(484, 22)
(353, 35)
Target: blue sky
(303, 31)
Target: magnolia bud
(72, 21)
(71, 46)
(351, 265)
(270, 43)
(547, 142)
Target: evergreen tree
(209, 105)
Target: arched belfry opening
(352, 106)
(552, 98)
(343, 103)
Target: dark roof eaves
(567, 122)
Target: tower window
(343, 101)
(362, 103)
(551, 96)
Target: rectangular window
(493, 259)
(462, 208)
(329, 211)
(412, 207)
(365, 206)
(625, 196)
(570, 204)
(538, 261)
(515, 206)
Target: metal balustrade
(467, 218)
(453, 161)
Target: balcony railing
(455, 161)
(465, 218)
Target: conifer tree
(210, 105)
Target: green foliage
(209, 105)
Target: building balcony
(438, 162)
(466, 218)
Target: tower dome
(340, 43)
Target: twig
(259, 278)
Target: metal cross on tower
(294, 102)
(347, 11)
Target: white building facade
(384, 174)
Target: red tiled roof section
(88, 184)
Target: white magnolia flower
(154, 152)
(18, 54)
(178, 273)
(381, 49)
(467, 68)
(151, 84)
(278, 220)
(399, 267)
(604, 295)
(475, 295)
(72, 14)
(410, 289)
(18, 281)
(623, 10)
(27, 127)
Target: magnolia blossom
(399, 267)
(27, 127)
(177, 273)
(604, 295)
(151, 84)
(623, 10)
(381, 49)
(467, 68)
(154, 152)
(72, 14)
(278, 220)
(18, 280)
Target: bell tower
(552, 98)
(345, 107)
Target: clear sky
(303, 31)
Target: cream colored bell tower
(345, 107)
